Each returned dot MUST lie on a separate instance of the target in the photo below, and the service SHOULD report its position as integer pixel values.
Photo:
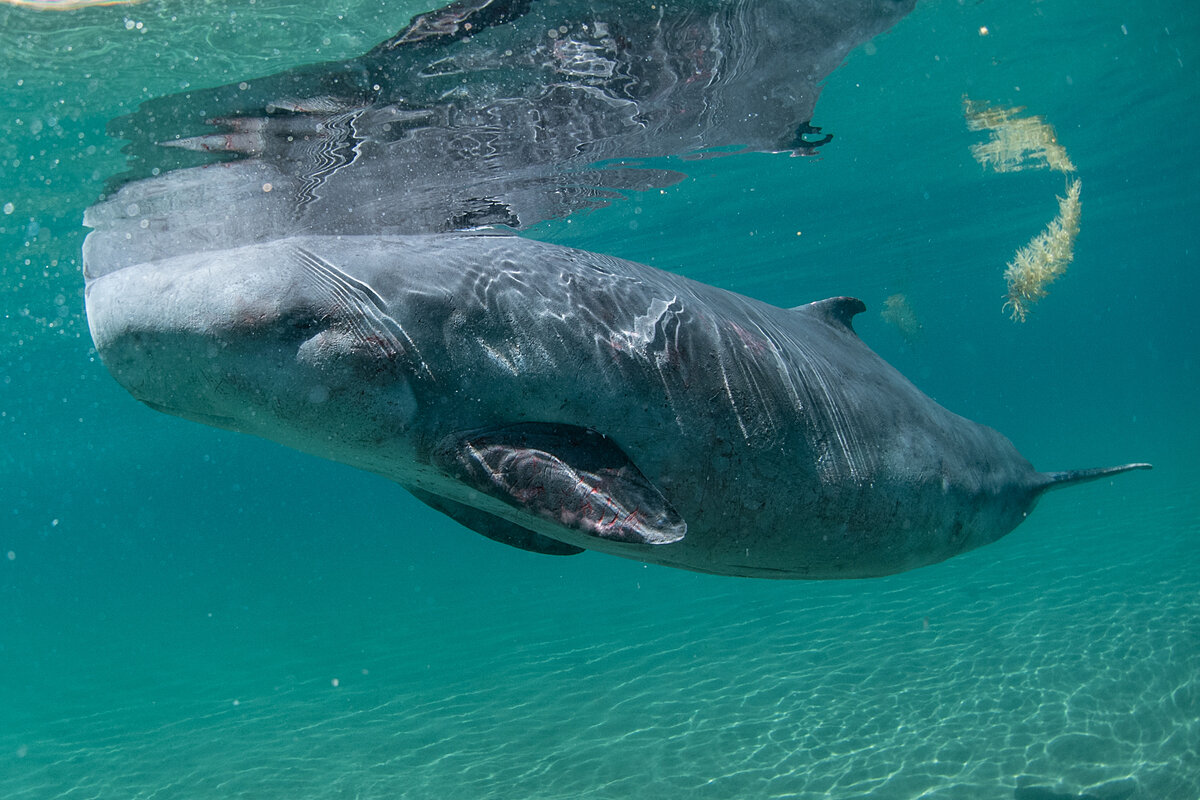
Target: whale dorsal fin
(573, 477)
(837, 311)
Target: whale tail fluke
(1055, 480)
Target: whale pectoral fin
(495, 528)
(572, 476)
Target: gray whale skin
(558, 400)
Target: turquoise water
(187, 613)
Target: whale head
(267, 339)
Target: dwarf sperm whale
(559, 400)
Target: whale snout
(263, 339)
(168, 367)
(174, 333)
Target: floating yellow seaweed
(1014, 143)
(1047, 255)
(899, 312)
